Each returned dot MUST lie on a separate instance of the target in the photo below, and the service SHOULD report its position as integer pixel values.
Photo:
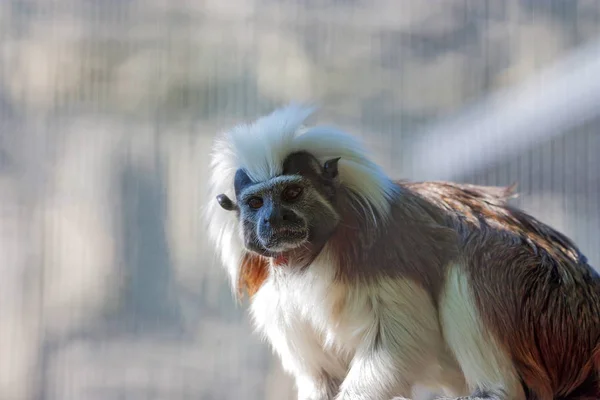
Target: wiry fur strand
(366, 286)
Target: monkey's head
(291, 213)
(276, 188)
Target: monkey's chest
(316, 311)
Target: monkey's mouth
(283, 240)
(291, 250)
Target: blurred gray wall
(108, 288)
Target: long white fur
(322, 330)
(326, 333)
(485, 365)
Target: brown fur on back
(533, 287)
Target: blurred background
(108, 287)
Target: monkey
(366, 286)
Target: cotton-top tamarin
(366, 286)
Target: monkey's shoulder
(487, 223)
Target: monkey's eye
(255, 203)
(291, 193)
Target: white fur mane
(262, 146)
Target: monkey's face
(293, 213)
(276, 215)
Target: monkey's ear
(330, 168)
(225, 202)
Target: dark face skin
(291, 215)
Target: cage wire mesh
(107, 111)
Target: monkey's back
(534, 289)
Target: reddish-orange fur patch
(254, 270)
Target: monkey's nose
(284, 217)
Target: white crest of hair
(261, 147)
